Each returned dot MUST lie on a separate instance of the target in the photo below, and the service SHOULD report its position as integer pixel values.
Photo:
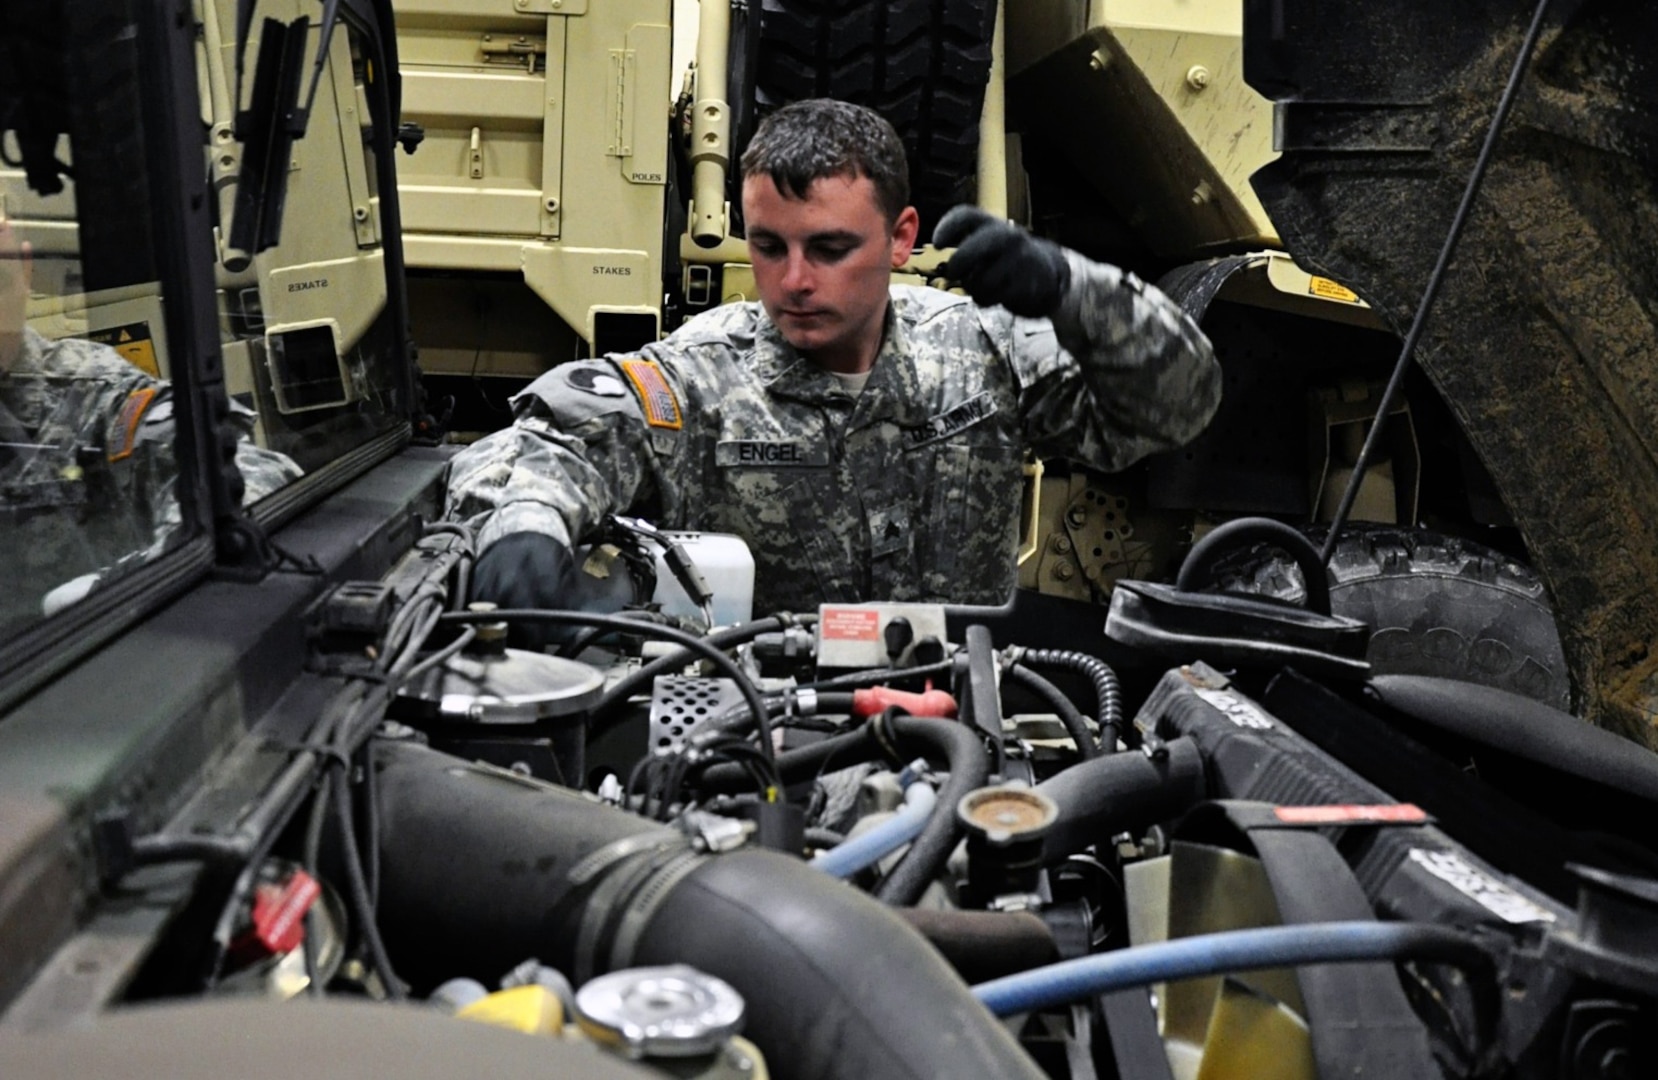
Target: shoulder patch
(595, 382)
(657, 397)
(123, 430)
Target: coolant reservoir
(728, 567)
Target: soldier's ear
(904, 232)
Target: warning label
(849, 624)
(1330, 290)
(133, 342)
(1480, 887)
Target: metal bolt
(1064, 572)
(1077, 515)
(1197, 77)
(552, 206)
(1099, 60)
(360, 213)
(1061, 544)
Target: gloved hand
(997, 262)
(524, 570)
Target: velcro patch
(769, 454)
(955, 420)
(655, 395)
(124, 429)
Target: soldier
(865, 439)
(87, 470)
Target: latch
(516, 50)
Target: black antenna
(1510, 92)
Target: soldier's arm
(1117, 372)
(578, 450)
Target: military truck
(574, 195)
(267, 782)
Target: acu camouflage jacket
(909, 491)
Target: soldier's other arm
(1121, 372)
(1110, 368)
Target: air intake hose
(480, 870)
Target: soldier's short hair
(809, 140)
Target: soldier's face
(822, 264)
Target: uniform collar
(893, 392)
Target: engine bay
(905, 839)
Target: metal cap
(489, 633)
(1006, 814)
(674, 1011)
(511, 687)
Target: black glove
(997, 262)
(524, 570)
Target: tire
(1437, 605)
(922, 64)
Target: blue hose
(866, 849)
(1232, 950)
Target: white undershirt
(854, 384)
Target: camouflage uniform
(87, 469)
(909, 491)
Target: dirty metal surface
(1545, 336)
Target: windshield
(88, 469)
(90, 476)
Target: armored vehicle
(274, 798)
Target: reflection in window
(88, 472)
(313, 359)
(309, 341)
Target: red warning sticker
(1393, 814)
(850, 624)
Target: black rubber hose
(983, 945)
(969, 770)
(836, 703)
(1108, 692)
(703, 647)
(911, 737)
(876, 676)
(804, 763)
(836, 986)
(1120, 793)
(663, 665)
(1196, 569)
(1076, 725)
(823, 839)
(482, 869)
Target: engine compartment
(985, 856)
